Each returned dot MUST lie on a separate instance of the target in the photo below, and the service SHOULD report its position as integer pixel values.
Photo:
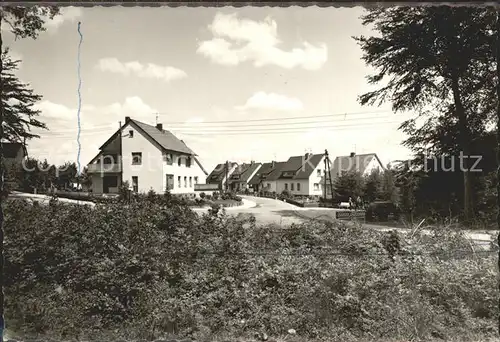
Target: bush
(156, 268)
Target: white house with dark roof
(362, 163)
(148, 158)
(302, 175)
(365, 164)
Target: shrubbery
(156, 268)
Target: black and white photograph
(280, 173)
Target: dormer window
(179, 160)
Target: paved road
(275, 211)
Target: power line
(285, 130)
(276, 131)
(278, 124)
(285, 118)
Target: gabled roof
(265, 169)
(250, 170)
(302, 167)
(357, 163)
(276, 172)
(164, 139)
(219, 172)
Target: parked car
(382, 210)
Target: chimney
(307, 155)
(273, 164)
(159, 127)
(352, 154)
(252, 162)
(127, 119)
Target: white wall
(304, 186)
(315, 178)
(150, 172)
(96, 183)
(372, 165)
(183, 171)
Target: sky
(286, 79)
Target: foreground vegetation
(152, 271)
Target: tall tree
(373, 186)
(348, 184)
(23, 22)
(439, 63)
(18, 101)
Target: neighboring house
(148, 158)
(270, 182)
(302, 175)
(258, 181)
(362, 163)
(239, 180)
(13, 152)
(218, 175)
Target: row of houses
(150, 158)
(302, 175)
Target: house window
(170, 182)
(179, 181)
(196, 180)
(188, 162)
(316, 186)
(179, 160)
(190, 182)
(318, 173)
(135, 183)
(130, 134)
(291, 186)
(185, 182)
(298, 186)
(136, 158)
(269, 185)
(286, 186)
(169, 158)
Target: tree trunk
(2, 326)
(465, 147)
(498, 139)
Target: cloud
(165, 73)
(261, 100)
(66, 14)
(240, 40)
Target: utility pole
(120, 157)
(227, 173)
(328, 175)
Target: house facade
(240, 178)
(221, 173)
(302, 175)
(13, 152)
(257, 182)
(269, 181)
(148, 158)
(365, 164)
